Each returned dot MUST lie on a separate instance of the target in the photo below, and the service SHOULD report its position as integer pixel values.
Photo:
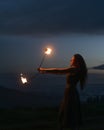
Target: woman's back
(72, 78)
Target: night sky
(68, 26)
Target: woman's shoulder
(73, 69)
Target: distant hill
(100, 67)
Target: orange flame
(23, 79)
(48, 51)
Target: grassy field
(46, 118)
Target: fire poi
(47, 52)
(23, 79)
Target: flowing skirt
(69, 112)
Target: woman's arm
(57, 70)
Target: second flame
(23, 79)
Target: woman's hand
(41, 70)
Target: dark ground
(46, 118)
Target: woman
(69, 113)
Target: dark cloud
(29, 16)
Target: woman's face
(72, 61)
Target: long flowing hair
(83, 69)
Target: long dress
(70, 113)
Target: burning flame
(48, 51)
(23, 79)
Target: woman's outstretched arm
(57, 70)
